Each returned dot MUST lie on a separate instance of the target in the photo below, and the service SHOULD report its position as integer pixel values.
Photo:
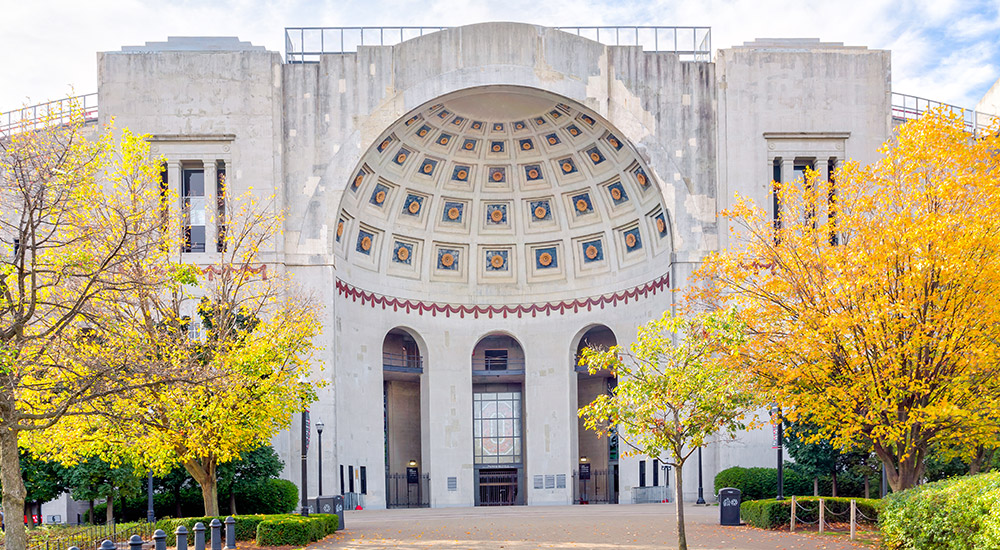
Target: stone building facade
(473, 206)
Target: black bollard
(159, 540)
(108, 545)
(182, 537)
(135, 542)
(199, 536)
(230, 533)
(216, 534)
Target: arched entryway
(597, 474)
(406, 484)
(498, 421)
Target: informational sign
(411, 475)
(584, 471)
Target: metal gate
(402, 493)
(601, 488)
(497, 487)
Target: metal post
(182, 537)
(199, 536)
(701, 489)
(108, 545)
(230, 533)
(305, 465)
(319, 449)
(135, 542)
(216, 526)
(781, 458)
(159, 540)
(150, 516)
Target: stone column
(175, 186)
(211, 184)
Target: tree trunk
(902, 474)
(682, 543)
(109, 516)
(29, 514)
(90, 516)
(981, 462)
(815, 486)
(177, 502)
(867, 488)
(13, 489)
(834, 485)
(232, 501)
(203, 473)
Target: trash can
(331, 505)
(729, 506)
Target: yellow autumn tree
(871, 303)
(675, 388)
(78, 209)
(243, 335)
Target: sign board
(775, 444)
(411, 475)
(584, 471)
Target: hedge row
(760, 483)
(296, 530)
(771, 514)
(961, 513)
(247, 527)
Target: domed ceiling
(507, 187)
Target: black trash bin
(729, 506)
(331, 505)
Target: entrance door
(498, 487)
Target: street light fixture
(319, 448)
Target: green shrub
(273, 496)
(761, 483)
(770, 513)
(294, 530)
(958, 514)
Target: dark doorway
(497, 487)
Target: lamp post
(779, 434)
(304, 441)
(319, 449)
(701, 489)
(150, 516)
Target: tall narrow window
(350, 479)
(193, 193)
(656, 473)
(220, 195)
(642, 473)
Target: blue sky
(945, 50)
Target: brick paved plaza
(638, 527)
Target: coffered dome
(498, 191)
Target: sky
(944, 50)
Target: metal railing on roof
(909, 107)
(52, 112)
(306, 44)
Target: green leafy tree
(44, 480)
(94, 478)
(252, 469)
(816, 455)
(676, 386)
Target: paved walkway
(598, 527)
